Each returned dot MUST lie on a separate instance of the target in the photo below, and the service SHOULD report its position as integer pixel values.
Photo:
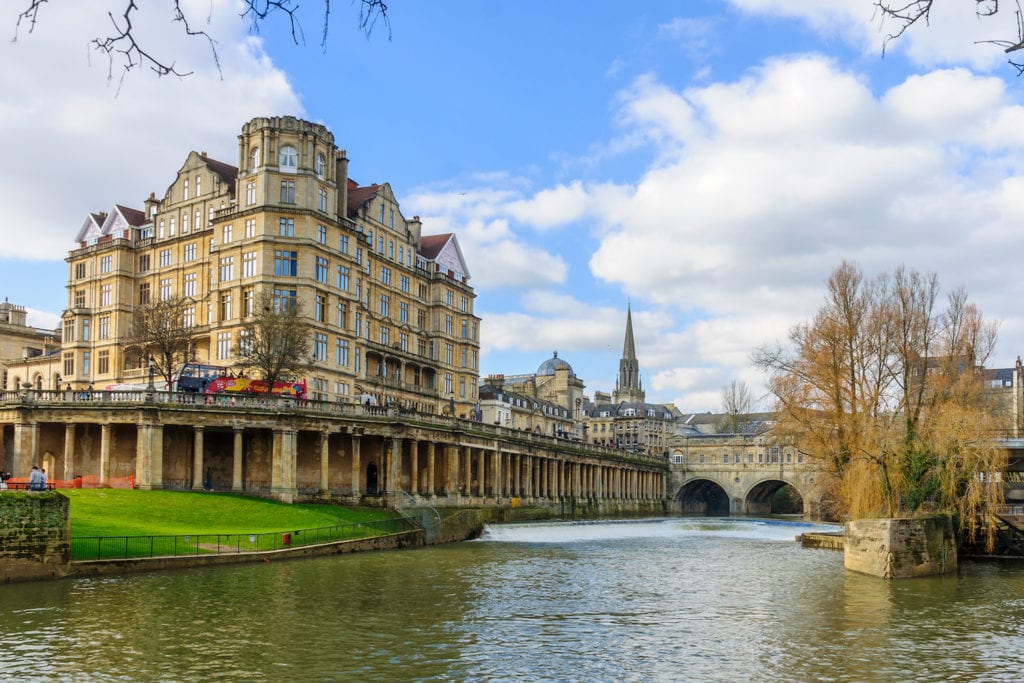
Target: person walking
(42, 472)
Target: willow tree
(884, 388)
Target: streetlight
(151, 386)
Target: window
(79, 298)
(250, 227)
(391, 220)
(403, 283)
(341, 352)
(320, 346)
(143, 293)
(69, 364)
(343, 244)
(105, 262)
(85, 329)
(103, 329)
(289, 160)
(79, 271)
(359, 324)
(463, 304)
(448, 324)
(285, 300)
(465, 357)
(385, 305)
(321, 234)
(226, 235)
(320, 269)
(160, 233)
(254, 159)
(189, 288)
(199, 218)
(343, 278)
(103, 362)
(227, 268)
(403, 341)
(320, 308)
(250, 192)
(85, 363)
(287, 191)
(385, 275)
(249, 264)
(449, 297)
(189, 253)
(286, 263)
(380, 244)
(184, 224)
(465, 330)
(244, 343)
(225, 306)
(247, 303)
(421, 318)
(403, 312)
(449, 353)
(106, 292)
(199, 191)
(165, 258)
(165, 289)
(286, 227)
(319, 168)
(321, 199)
(391, 250)
(170, 227)
(188, 317)
(223, 345)
(382, 212)
(342, 315)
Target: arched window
(289, 159)
(320, 165)
(255, 159)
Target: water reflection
(708, 600)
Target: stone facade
(34, 536)
(27, 354)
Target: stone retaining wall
(34, 536)
(901, 548)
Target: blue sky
(708, 163)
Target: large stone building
(391, 309)
(549, 401)
(28, 355)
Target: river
(680, 599)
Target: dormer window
(289, 162)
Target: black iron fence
(141, 547)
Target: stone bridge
(741, 488)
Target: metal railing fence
(183, 545)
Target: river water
(681, 599)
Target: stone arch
(703, 496)
(769, 496)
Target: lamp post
(151, 386)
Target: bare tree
(162, 331)
(737, 404)
(275, 341)
(886, 391)
(123, 48)
(905, 14)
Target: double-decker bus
(195, 378)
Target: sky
(705, 163)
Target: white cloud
(84, 144)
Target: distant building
(27, 354)
(391, 309)
(549, 401)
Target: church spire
(628, 387)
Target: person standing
(42, 477)
(35, 479)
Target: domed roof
(552, 364)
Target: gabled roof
(227, 172)
(444, 250)
(359, 196)
(102, 224)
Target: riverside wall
(34, 536)
(900, 548)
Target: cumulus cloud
(83, 143)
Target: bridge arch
(774, 497)
(703, 496)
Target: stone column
(517, 489)
(481, 473)
(451, 477)
(26, 448)
(393, 481)
(430, 488)
(149, 456)
(414, 467)
(197, 458)
(69, 451)
(236, 468)
(467, 472)
(496, 478)
(282, 485)
(325, 459)
(357, 468)
(104, 454)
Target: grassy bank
(117, 512)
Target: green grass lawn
(118, 512)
